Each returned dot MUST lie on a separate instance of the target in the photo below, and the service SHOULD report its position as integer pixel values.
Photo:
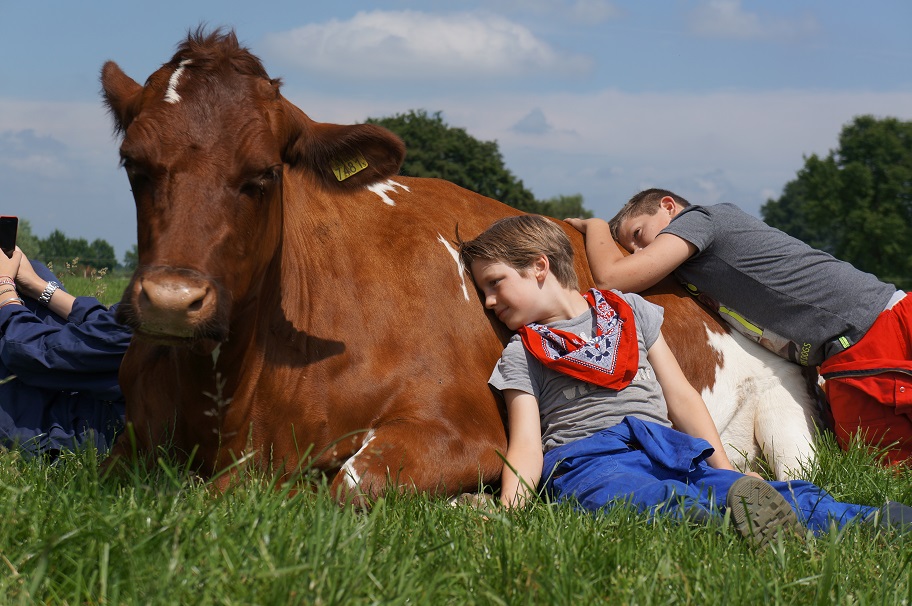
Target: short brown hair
(644, 203)
(518, 241)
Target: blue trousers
(657, 469)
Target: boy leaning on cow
(592, 390)
(801, 303)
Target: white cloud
(728, 19)
(406, 45)
(591, 12)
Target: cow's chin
(199, 341)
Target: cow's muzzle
(174, 305)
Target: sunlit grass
(161, 536)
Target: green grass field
(106, 289)
(161, 536)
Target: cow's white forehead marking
(381, 188)
(460, 268)
(171, 95)
(350, 475)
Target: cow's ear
(343, 156)
(121, 93)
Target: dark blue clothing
(657, 469)
(65, 391)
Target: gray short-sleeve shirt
(571, 409)
(801, 303)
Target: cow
(298, 305)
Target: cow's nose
(174, 296)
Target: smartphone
(8, 228)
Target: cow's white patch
(760, 404)
(381, 190)
(350, 475)
(460, 267)
(171, 95)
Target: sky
(718, 100)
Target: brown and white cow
(297, 303)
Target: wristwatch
(45, 298)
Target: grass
(107, 288)
(160, 536)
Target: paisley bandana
(610, 359)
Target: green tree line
(59, 250)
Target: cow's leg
(785, 422)
(429, 457)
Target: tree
(131, 258)
(446, 152)
(856, 203)
(59, 249)
(27, 241)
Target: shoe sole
(758, 511)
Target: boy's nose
(490, 301)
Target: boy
(590, 381)
(801, 303)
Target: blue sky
(719, 100)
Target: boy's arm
(686, 408)
(632, 273)
(524, 459)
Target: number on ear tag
(344, 169)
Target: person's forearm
(696, 421)
(602, 253)
(521, 475)
(61, 302)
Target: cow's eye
(136, 172)
(257, 187)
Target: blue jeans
(657, 469)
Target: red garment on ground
(869, 385)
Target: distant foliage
(27, 241)
(131, 258)
(58, 249)
(435, 149)
(856, 203)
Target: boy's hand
(578, 224)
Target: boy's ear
(541, 267)
(668, 205)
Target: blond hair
(518, 241)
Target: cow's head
(206, 142)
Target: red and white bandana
(609, 359)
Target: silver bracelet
(5, 302)
(45, 298)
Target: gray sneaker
(758, 511)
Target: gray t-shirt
(801, 303)
(571, 409)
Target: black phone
(8, 228)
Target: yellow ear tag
(346, 168)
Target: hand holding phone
(9, 226)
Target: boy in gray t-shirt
(592, 390)
(799, 302)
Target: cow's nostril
(196, 305)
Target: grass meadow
(107, 288)
(160, 536)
